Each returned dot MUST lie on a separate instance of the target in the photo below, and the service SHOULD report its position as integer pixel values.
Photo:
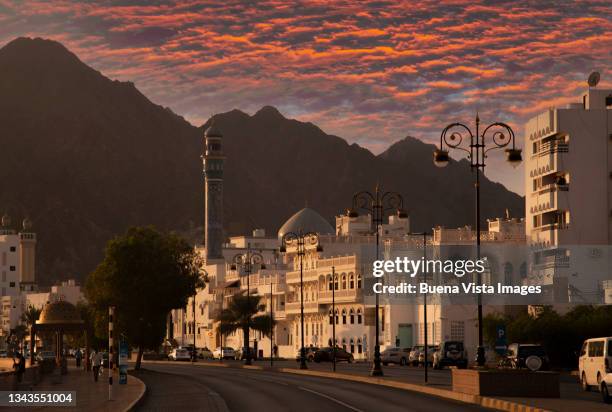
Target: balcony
(309, 276)
(342, 296)
(553, 146)
(549, 262)
(293, 308)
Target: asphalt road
(185, 387)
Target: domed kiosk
(58, 317)
(306, 220)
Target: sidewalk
(90, 395)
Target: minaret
(213, 160)
(27, 256)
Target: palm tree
(29, 317)
(242, 314)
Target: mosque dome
(306, 220)
(212, 131)
(26, 224)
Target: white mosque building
(348, 248)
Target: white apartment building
(568, 197)
(17, 268)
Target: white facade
(17, 270)
(568, 191)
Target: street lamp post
(334, 317)
(377, 205)
(501, 135)
(300, 240)
(246, 261)
(271, 327)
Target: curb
(140, 397)
(484, 401)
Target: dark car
(310, 354)
(326, 355)
(526, 355)
(451, 353)
(243, 353)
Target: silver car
(395, 355)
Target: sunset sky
(370, 72)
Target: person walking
(19, 366)
(78, 356)
(96, 361)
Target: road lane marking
(266, 380)
(338, 401)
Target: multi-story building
(17, 268)
(568, 197)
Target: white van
(595, 361)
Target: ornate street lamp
(300, 240)
(377, 204)
(247, 261)
(497, 135)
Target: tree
(241, 314)
(30, 316)
(144, 274)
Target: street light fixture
(501, 135)
(301, 240)
(247, 261)
(377, 205)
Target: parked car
(224, 353)
(430, 355)
(413, 357)
(205, 353)
(395, 355)
(526, 355)
(310, 353)
(179, 354)
(605, 387)
(45, 355)
(595, 362)
(326, 355)
(451, 353)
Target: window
(13, 249)
(359, 347)
(352, 345)
(337, 317)
(359, 281)
(359, 316)
(12, 268)
(12, 284)
(344, 316)
(596, 349)
(457, 330)
(329, 281)
(352, 316)
(336, 282)
(343, 281)
(331, 317)
(351, 281)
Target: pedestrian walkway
(91, 396)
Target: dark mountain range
(85, 157)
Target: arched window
(352, 316)
(344, 343)
(337, 317)
(329, 282)
(359, 281)
(359, 347)
(352, 341)
(336, 281)
(359, 316)
(344, 316)
(351, 281)
(344, 281)
(331, 317)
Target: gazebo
(60, 317)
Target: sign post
(501, 342)
(123, 361)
